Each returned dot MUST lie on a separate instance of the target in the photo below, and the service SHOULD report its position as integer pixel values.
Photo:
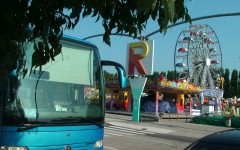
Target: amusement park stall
(212, 101)
(160, 95)
(178, 97)
(117, 99)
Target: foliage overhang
(48, 19)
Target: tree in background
(163, 73)
(156, 74)
(226, 85)
(151, 79)
(238, 85)
(233, 83)
(109, 79)
(171, 75)
(108, 76)
(43, 22)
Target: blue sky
(227, 30)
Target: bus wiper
(21, 129)
(57, 121)
(80, 118)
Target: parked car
(223, 140)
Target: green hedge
(216, 121)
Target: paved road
(123, 134)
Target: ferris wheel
(198, 56)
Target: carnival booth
(211, 101)
(174, 96)
(116, 97)
(160, 95)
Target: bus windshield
(68, 91)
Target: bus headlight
(14, 148)
(98, 144)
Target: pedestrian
(230, 103)
(232, 109)
(223, 106)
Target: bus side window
(1, 95)
(25, 98)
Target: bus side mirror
(13, 73)
(120, 70)
(122, 77)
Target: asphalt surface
(167, 133)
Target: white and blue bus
(60, 107)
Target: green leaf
(98, 17)
(94, 13)
(51, 52)
(106, 38)
(24, 71)
(168, 10)
(146, 5)
(188, 18)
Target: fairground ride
(198, 56)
